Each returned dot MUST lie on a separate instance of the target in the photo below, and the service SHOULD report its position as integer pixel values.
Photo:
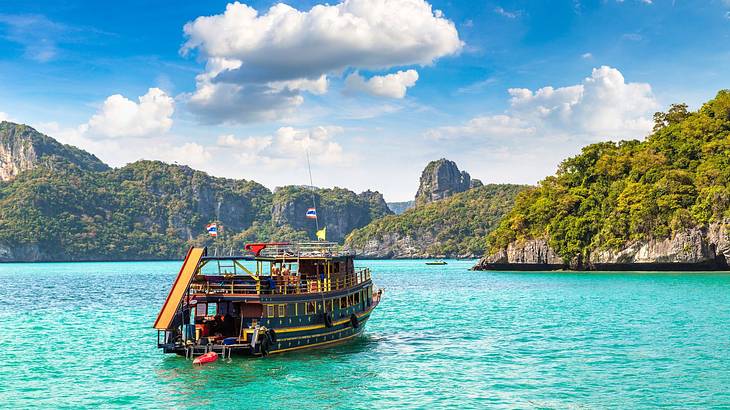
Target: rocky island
(658, 204)
(453, 213)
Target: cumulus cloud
(122, 117)
(277, 55)
(602, 106)
(390, 85)
(4, 116)
(288, 144)
(189, 153)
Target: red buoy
(209, 357)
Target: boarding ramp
(189, 267)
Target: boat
(272, 298)
(437, 262)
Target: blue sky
(373, 88)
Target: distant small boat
(209, 357)
(438, 262)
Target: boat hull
(294, 338)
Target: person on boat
(228, 325)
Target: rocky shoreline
(695, 249)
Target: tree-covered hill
(455, 226)
(673, 186)
(68, 205)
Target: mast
(311, 187)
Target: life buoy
(354, 321)
(327, 319)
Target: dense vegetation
(68, 205)
(614, 193)
(145, 210)
(458, 225)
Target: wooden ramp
(167, 313)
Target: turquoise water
(79, 335)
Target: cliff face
(441, 179)
(692, 249)
(22, 148)
(338, 209)
(61, 203)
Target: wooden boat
(438, 262)
(275, 298)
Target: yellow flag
(322, 234)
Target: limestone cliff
(22, 148)
(441, 179)
(338, 209)
(691, 249)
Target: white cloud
(391, 85)
(497, 126)
(602, 106)
(38, 35)
(258, 65)
(586, 56)
(288, 145)
(189, 153)
(509, 14)
(4, 116)
(122, 117)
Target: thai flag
(212, 229)
(312, 213)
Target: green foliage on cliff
(147, 209)
(453, 226)
(613, 193)
(65, 204)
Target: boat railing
(304, 249)
(277, 285)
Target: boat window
(269, 310)
(212, 309)
(311, 309)
(356, 296)
(343, 302)
(282, 310)
(329, 305)
(201, 309)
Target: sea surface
(78, 335)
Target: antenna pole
(311, 187)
